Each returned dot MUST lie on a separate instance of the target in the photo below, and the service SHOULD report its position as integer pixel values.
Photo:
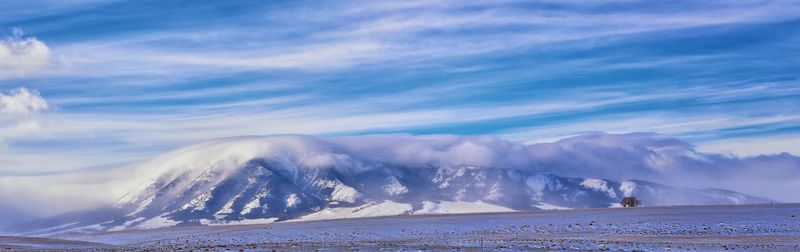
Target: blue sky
(92, 84)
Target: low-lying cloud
(645, 156)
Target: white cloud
(17, 116)
(22, 101)
(20, 56)
(754, 146)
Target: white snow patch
(539, 182)
(453, 207)
(545, 206)
(444, 176)
(226, 209)
(199, 202)
(239, 222)
(341, 192)
(157, 222)
(292, 200)
(345, 194)
(255, 203)
(385, 208)
(599, 185)
(127, 224)
(394, 188)
(462, 170)
(495, 193)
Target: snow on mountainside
(280, 178)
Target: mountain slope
(278, 178)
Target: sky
(87, 85)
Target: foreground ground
(756, 227)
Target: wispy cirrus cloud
(698, 126)
(149, 134)
(354, 36)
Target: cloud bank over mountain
(644, 156)
(615, 156)
(284, 177)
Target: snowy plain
(768, 227)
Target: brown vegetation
(630, 202)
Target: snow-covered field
(771, 227)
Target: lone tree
(630, 202)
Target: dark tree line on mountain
(630, 202)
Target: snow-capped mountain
(287, 178)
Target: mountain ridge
(282, 178)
